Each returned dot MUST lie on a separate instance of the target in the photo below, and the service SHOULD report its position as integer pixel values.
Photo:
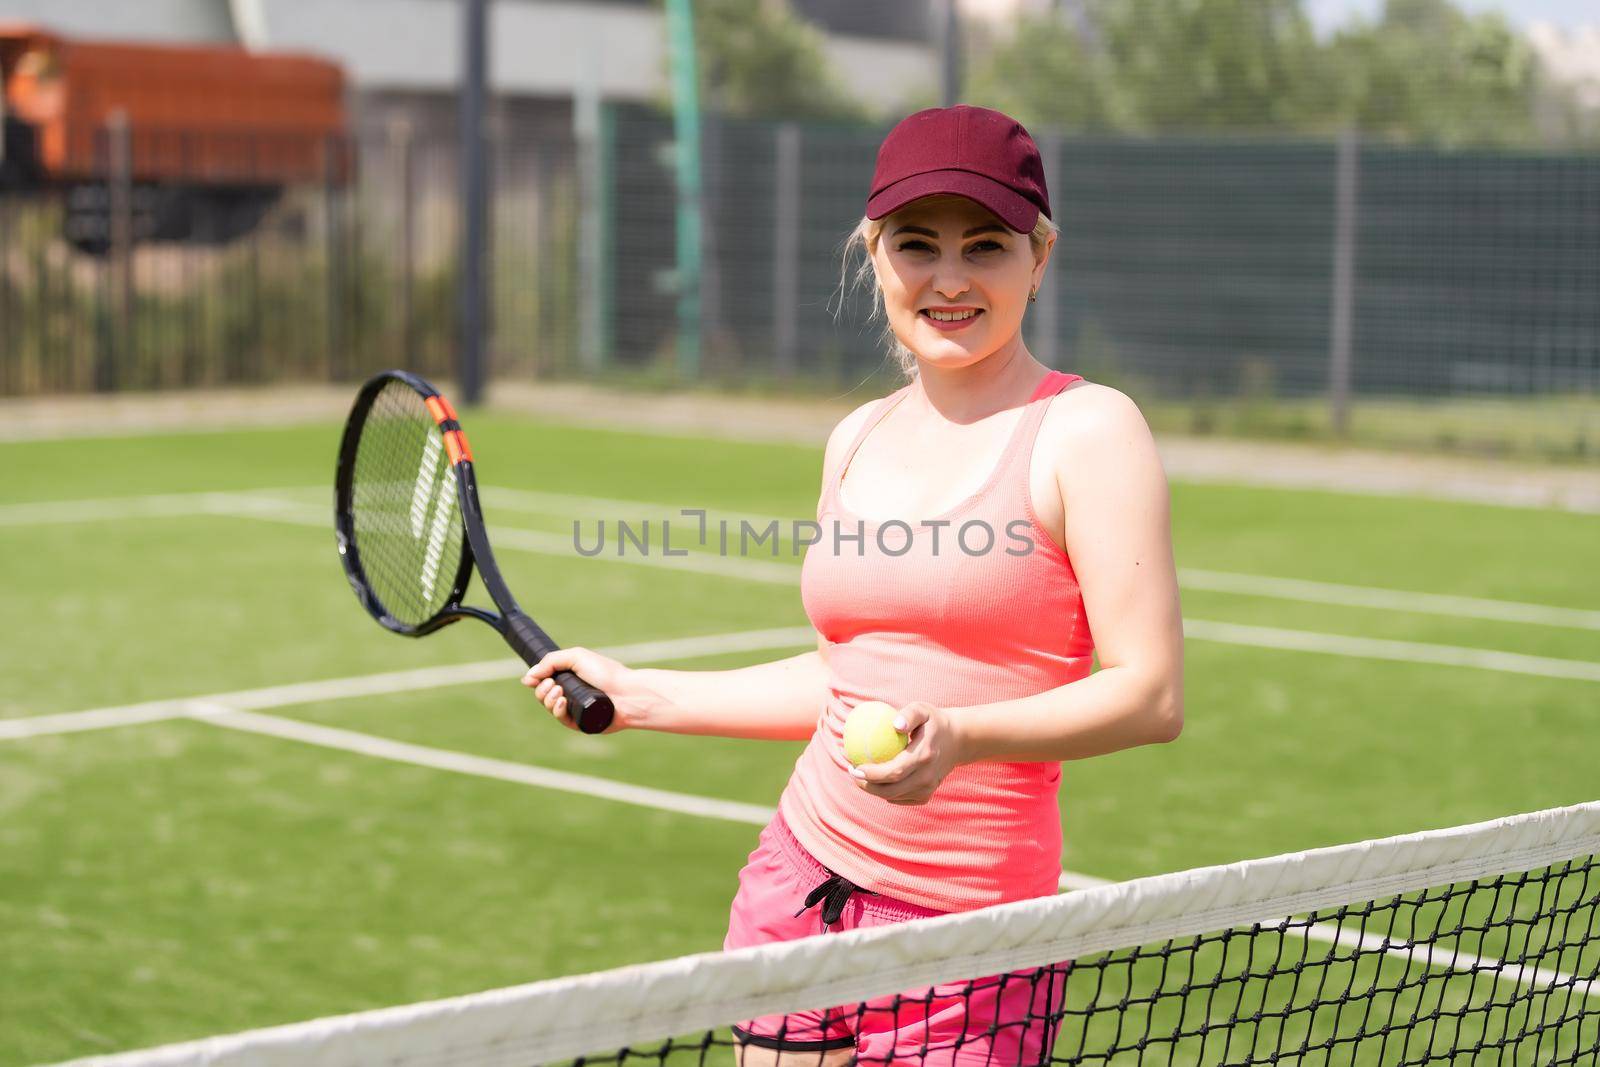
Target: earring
(1033, 295)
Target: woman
(975, 523)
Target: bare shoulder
(1092, 420)
(844, 431)
(1091, 408)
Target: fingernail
(857, 771)
(899, 724)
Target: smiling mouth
(967, 316)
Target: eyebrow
(989, 227)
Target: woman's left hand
(932, 752)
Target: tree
(760, 61)
(1424, 71)
(1234, 64)
(1051, 74)
(1145, 65)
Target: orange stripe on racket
(440, 408)
(455, 443)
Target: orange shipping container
(206, 115)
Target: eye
(915, 244)
(987, 245)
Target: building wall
(908, 20)
(539, 48)
(141, 20)
(545, 48)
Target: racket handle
(594, 709)
(591, 709)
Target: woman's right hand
(617, 681)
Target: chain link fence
(1242, 284)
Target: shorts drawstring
(833, 892)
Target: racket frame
(591, 709)
(344, 522)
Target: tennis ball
(869, 733)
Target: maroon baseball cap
(969, 151)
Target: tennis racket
(410, 528)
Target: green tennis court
(203, 866)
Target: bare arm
(1119, 535)
(777, 701)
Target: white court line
(229, 710)
(402, 681)
(1398, 651)
(160, 506)
(538, 502)
(478, 766)
(1305, 591)
(262, 504)
(749, 570)
(503, 770)
(1451, 959)
(541, 543)
(392, 682)
(1200, 629)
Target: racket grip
(591, 709)
(594, 709)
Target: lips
(947, 326)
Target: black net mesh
(1502, 970)
(408, 531)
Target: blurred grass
(1555, 430)
(175, 879)
(172, 880)
(1562, 430)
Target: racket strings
(408, 528)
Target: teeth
(951, 316)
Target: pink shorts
(998, 1019)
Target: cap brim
(1014, 209)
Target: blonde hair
(864, 239)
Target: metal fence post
(714, 344)
(333, 224)
(405, 181)
(1047, 325)
(687, 154)
(474, 200)
(119, 222)
(10, 329)
(1346, 204)
(258, 370)
(786, 249)
(950, 53)
(590, 185)
(538, 225)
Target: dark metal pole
(786, 216)
(405, 183)
(1340, 330)
(474, 200)
(951, 74)
(11, 376)
(339, 363)
(119, 218)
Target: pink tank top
(972, 606)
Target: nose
(949, 281)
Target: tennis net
(1476, 944)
